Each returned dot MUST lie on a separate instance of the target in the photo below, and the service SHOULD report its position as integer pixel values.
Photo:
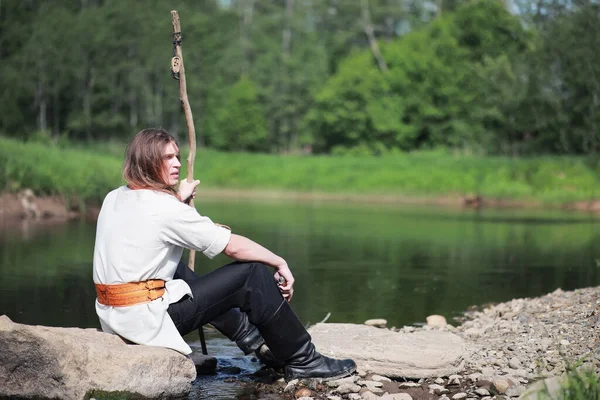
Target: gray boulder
(421, 354)
(68, 363)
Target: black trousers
(249, 287)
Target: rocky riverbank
(509, 347)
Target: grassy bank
(92, 171)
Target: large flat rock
(68, 363)
(420, 354)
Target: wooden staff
(178, 72)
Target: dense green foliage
(487, 76)
(89, 173)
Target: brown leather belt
(128, 294)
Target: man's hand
(187, 190)
(285, 285)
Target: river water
(351, 261)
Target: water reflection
(354, 261)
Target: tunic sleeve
(186, 228)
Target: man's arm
(241, 248)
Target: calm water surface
(355, 261)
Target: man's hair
(144, 161)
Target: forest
(343, 77)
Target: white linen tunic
(141, 235)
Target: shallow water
(355, 261)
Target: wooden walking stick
(178, 72)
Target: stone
(346, 388)
(377, 323)
(352, 396)
(338, 382)
(515, 363)
(437, 389)
(302, 392)
(500, 384)
(379, 378)
(409, 385)
(370, 384)
(552, 385)
(436, 321)
(396, 396)
(422, 354)
(304, 398)
(205, 365)
(70, 363)
(291, 386)
(459, 396)
(515, 391)
(482, 392)
(369, 396)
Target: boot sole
(329, 378)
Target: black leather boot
(289, 341)
(235, 325)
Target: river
(351, 261)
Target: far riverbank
(82, 176)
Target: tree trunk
(246, 26)
(369, 31)
(284, 133)
(56, 111)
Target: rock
(302, 392)
(67, 363)
(515, 363)
(437, 389)
(552, 385)
(459, 396)
(409, 385)
(291, 386)
(346, 388)
(436, 320)
(379, 378)
(370, 384)
(304, 398)
(500, 385)
(369, 396)
(338, 382)
(205, 365)
(377, 323)
(439, 381)
(515, 391)
(482, 392)
(352, 396)
(420, 354)
(396, 396)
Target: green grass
(90, 171)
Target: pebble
(377, 322)
(396, 396)
(500, 384)
(409, 385)
(290, 386)
(303, 392)
(482, 392)
(459, 396)
(436, 321)
(370, 384)
(379, 378)
(369, 396)
(346, 388)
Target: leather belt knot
(128, 294)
